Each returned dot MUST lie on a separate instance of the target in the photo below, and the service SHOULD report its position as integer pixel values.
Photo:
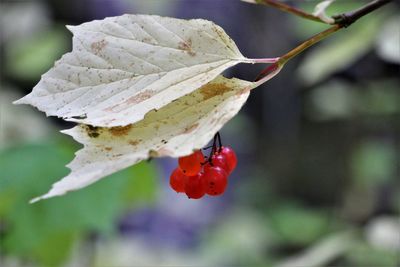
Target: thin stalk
(346, 19)
(260, 60)
(341, 21)
(290, 9)
(271, 70)
(310, 42)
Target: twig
(310, 42)
(348, 18)
(290, 9)
(341, 21)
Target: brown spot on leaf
(98, 46)
(187, 46)
(108, 148)
(120, 130)
(134, 142)
(213, 89)
(142, 96)
(222, 36)
(153, 153)
(92, 131)
(190, 129)
(243, 91)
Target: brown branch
(289, 9)
(341, 21)
(348, 18)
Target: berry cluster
(198, 175)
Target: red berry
(216, 180)
(177, 180)
(230, 156)
(219, 160)
(195, 187)
(191, 165)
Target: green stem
(273, 69)
(310, 42)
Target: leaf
(45, 233)
(141, 86)
(175, 130)
(122, 67)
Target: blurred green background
(317, 182)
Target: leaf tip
(37, 199)
(23, 100)
(67, 131)
(34, 200)
(52, 193)
(70, 28)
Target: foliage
(45, 232)
(317, 178)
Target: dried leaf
(175, 130)
(122, 67)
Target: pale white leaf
(175, 130)
(122, 67)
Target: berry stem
(215, 148)
(214, 145)
(219, 141)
